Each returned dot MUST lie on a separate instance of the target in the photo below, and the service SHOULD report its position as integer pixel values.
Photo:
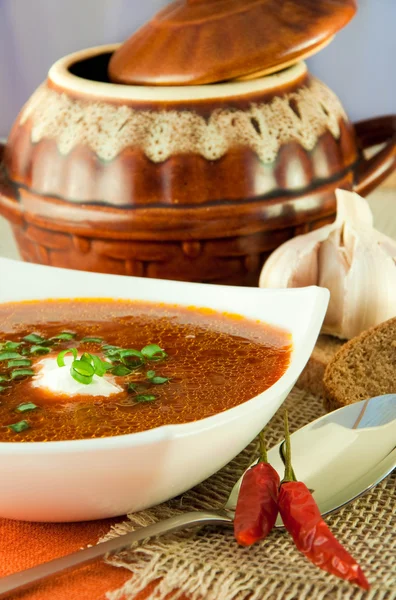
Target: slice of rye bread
(311, 379)
(365, 367)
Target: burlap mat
(208, 565)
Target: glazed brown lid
(194, 42)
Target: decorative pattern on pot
(197, 183)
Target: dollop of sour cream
(58, 380)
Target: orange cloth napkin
(24, 545)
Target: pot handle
(371, 172)
(8, 193)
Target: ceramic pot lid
(194, 42)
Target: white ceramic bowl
(94, 479)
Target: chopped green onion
(25, 351)
(4, 378)
(32, 338)
(9, 355)
(120, 371)
(111, 349)
(20, 373)
(82, 371)
(61, 356)
(23, 362)
(39, 350)
(133, 363)
(86, 380)
(156, 380)
(125, 353)
(101, 367)
(10, 345)
(154, 352)
(83, 368)
(86, 358)
(123, 362)
(159, 380)
(91, 340)
(133, 359)
(64, 336)
(19, 427)
(145, 398)
(3, 388)
(26, 407)
(138, 388)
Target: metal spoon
(339, 456)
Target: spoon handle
(15, 582)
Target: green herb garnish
(25, 407)
(122, 362)
(120, 371)
(101, 366)
(21, 373)
(3, 388)
(138, 388)
(133, 359)
(159, 380)
(4, 378)
(19, 427)
(82, 371)
(154, 352)
(32, 338)
(145, 398)
(9, 355)
(23, 362)
(92, 340)
(130, 352)
(156, 380)
(10, 345)
(61, 356)
(64, 336)
(110, 348)
(39, 349)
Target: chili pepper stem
(289, 473)
(263, 449)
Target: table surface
(26, 544)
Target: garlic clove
(387, 244)
(354, 209)
(351, 259)
(370, 288)
(294, 261)
(333, 267)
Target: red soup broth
(213, 362)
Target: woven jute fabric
(207, 564)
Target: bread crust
(311, 379)
(363, 368)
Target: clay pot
(197, 183)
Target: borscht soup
(81, 369)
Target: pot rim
(60, 76)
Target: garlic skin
(350, 258)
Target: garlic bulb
(355, 262)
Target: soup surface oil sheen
(214, 362)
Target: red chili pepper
(301, 517)
(257, 506)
